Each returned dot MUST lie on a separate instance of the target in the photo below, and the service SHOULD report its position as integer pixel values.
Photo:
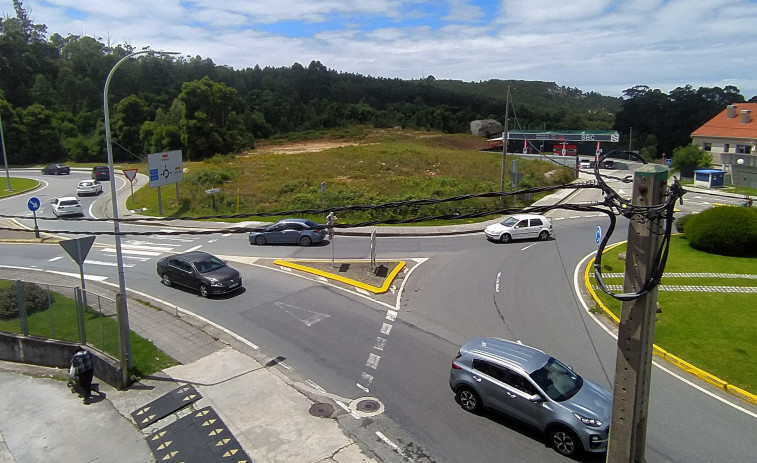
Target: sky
(603, 46)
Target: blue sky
(605, 46)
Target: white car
(520, 226)
(89, 187)
(66, 205)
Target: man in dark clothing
(82, 362)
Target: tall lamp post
(123, 314)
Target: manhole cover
(321, 410)
(367, 406)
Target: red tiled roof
(721, 126)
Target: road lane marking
(373, 361)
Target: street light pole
(123, 314)
(5, 157)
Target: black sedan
(199, 271)
(56, 169)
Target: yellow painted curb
(665, 355)
(374, 289)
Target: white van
(519, 227)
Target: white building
(731, 138)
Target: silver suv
(532, 387)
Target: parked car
(585, 164)
(101, 173)
(89, 187)
(534, 388)
(199, 271)
(293, 231)
(520, 226)
(608, 164)
(56, 169)
(66, 205)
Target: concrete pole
(633, 367)
(504, 148)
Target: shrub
(36, 300)
(680, 222)
(729, 231)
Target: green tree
(130, 113)
(207, 111)
(688, 158)
(42, 136)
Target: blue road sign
(33, 203)
(598, 235)
(668, 162)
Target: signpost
(33, 205)
(212, 193)
(78, 249)
(330, 224)
(130, 175)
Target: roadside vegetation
(368, 168)
(712, 330)
(58, 320)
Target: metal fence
(59, 312)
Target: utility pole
(504, 148)
(633, 367)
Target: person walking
(82, 363)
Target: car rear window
(69, 203)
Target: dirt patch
(306, 147)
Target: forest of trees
(51, 102)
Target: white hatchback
(89, 187)
(519, 227)
(66, 205)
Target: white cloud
(595, 45)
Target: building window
(743, 149)
(707, 146)
(726, 147)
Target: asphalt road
(460, 287)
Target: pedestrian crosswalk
(139, 250)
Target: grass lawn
(17, 185)
(59, 321)
(714, 331)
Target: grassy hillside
(368, 167)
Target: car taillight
(456, 366)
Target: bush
(680, 222)
(729, 231)
(36, 300)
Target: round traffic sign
(598, 235)
(33, 203)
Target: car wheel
(166, 279)
(260, 240)
(544, 235)
(305, 241)
(506, 238)
(204, 290)
(468, 399)
(564, 441)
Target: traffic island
(376, 278)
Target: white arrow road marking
(307, 317)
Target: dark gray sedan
(289, 231)
(199, 271)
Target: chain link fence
(59, 312)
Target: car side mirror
(536, 398)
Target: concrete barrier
(53, 353)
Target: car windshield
(510, 221)
(209, 264)
(557, 381)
